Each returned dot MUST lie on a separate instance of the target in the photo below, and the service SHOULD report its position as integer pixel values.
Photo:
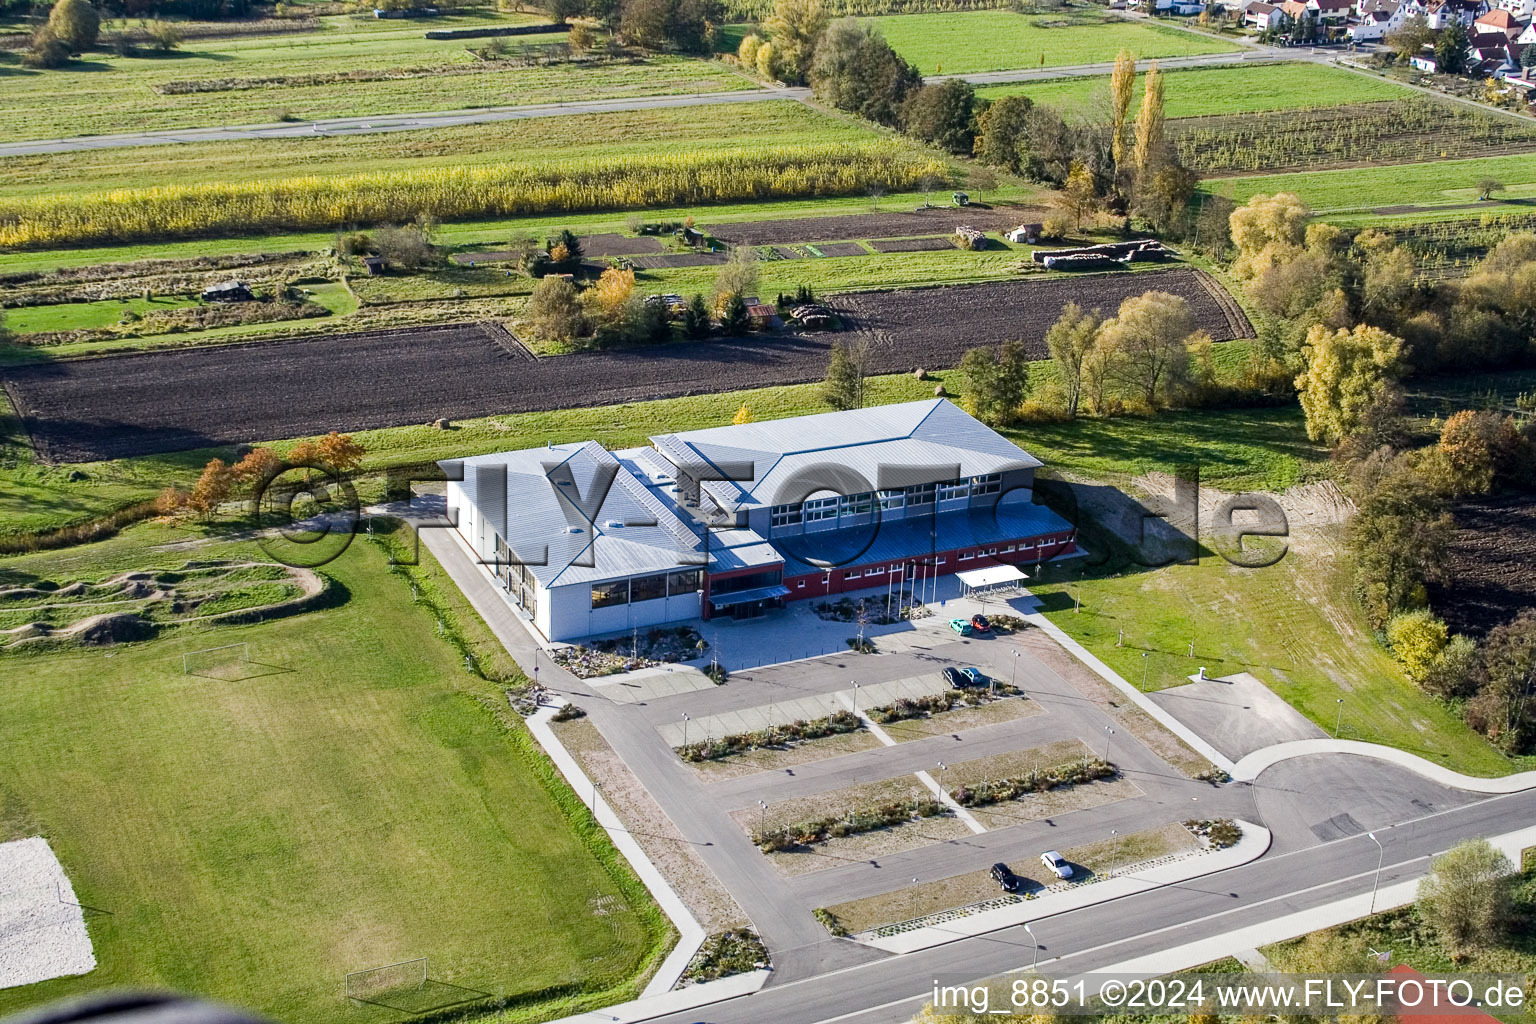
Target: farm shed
(764, 317)
(228, 291)
(1026, 233)
(375, 265)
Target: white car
(1056, 863)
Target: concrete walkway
(1254, 765)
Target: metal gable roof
(570, 532)
(842, 450)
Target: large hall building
(738, 520)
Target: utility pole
(1381, 855)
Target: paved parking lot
(1236, 714)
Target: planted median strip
(773, 737)
(859, 820)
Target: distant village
(1474, 39)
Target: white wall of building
(566, 613)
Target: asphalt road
(893, 989)
(347, 126)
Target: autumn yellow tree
(1417, 637)
(340, 452)
(746, 51)
(793, 28)
(1149, 123)
(258, 465)
(1349, 375)
(212, 487)
(1122, 85)
(1079, 196)
(767, 61)
(1148, 341)
(1266, 231)
(743, 414)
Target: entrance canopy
(991, 576)
(747, 596)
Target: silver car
(1056, 863)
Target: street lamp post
(1144, 669)
(685, 729)
(1381, 855)
(1114, 856)
(762, 814)
(1013, 675)
(914, 899)
(1036, 961)
(855, 699)
(1109, 733)
(1339, 722)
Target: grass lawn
(576, 136)
(1294, 625)
(962, 43)
(357, 799)
(1264, 448)
(1198, 92)
(105, 94)
(1365, 188)
(1415, 943)
(73, 316)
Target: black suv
(1004, 876)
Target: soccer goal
(223, 662)
(388, 983)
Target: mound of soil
(117, 628)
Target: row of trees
(1365, 320)
(613, 313)
(220, 481)
(689, 26)
(1307, 274)
(1398, 540)
(1150, 355)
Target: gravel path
(42, 928)
(144, 403)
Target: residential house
(1492, 55)
(1522, 9)
(1498, 20)
(1331, 12)
(1262, 16)
(1440, 13)
(1377, 18)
